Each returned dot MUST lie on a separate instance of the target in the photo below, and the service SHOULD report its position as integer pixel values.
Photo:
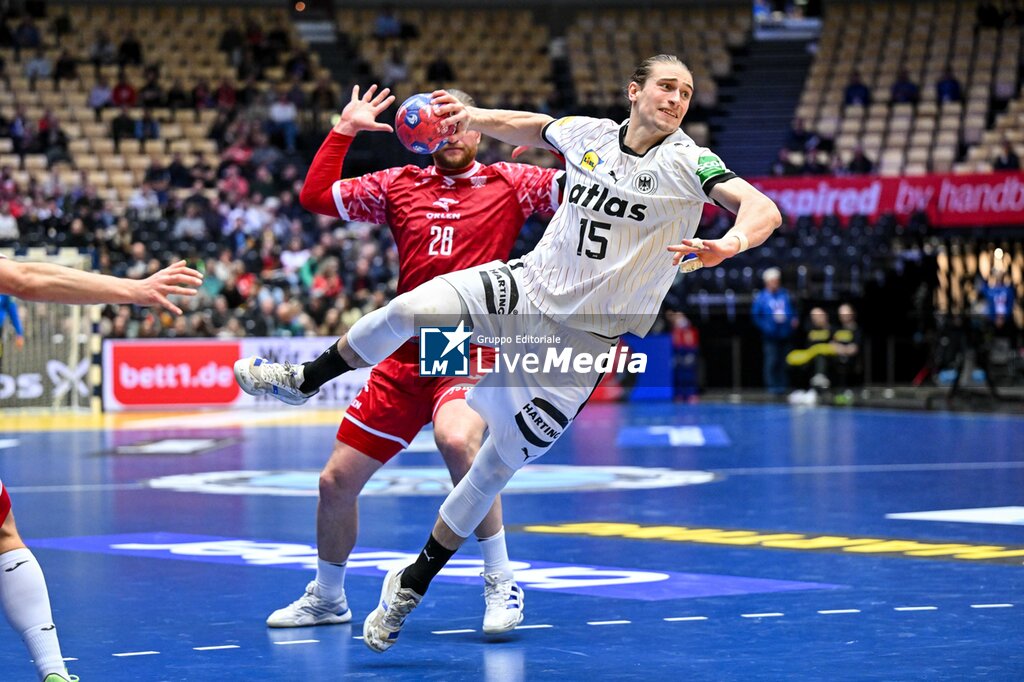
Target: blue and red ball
(419, 127)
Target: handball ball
(418, 126)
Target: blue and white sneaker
(259, 376)
(382, 627)
(311, 609)
(504, 604)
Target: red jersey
(441, 223)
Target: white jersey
(602, 265)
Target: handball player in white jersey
(633, 197)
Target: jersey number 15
(590, 233)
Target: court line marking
(991, 606)
(136, 653)
(915, 608)
(536, 626)
(829, 612)
(215, 648)
(299, 641)
(452, 632)
(774, 614)
(609, 622)
(82, 487)
(69, 658)
(676, 619)
(868, 468)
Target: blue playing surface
(708, 542)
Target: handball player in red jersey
(455, 214)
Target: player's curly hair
(643, 71)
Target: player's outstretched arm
(58, 284)
(757, 217)
(358, 115)
(517, 128)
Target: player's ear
(633, 91)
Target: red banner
(173, 373)
(948, 200)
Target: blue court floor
(655, 541)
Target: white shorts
(526, 412)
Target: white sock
(26, 604)
(496, 555)
(330, 579)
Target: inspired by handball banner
(948, 200)
(189, 373)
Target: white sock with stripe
(330, 579)
(26, 603)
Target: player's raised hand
(361, 112)
(710, 252)
(448, 107)
(174, 280)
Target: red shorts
(397, 402)
(5, 503)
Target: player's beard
(445, 159)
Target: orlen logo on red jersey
(155, 374)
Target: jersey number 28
(441, 240)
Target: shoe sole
(328, 620)
(492, 631)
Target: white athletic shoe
(504, 600)
(259, 376)
(311, 609)
(382, 626)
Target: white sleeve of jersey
(564, 133)
(700, 170)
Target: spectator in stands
(130, 50)
(102, 52)
(386, 24)
(296, 94)
(847, 341)
(810, 363)
(145, 202)
(147, 128)
(151, 94)
(122, 127)
(232, 43)
(394, 70)
(66, 68)
(177, 97)
(989, 15)
(798, 136)
(9, 231)
(440, 71)
(299, 66)
(860, 164)
(250, 92)
(1007, 159)
(178, 174)
(226, 96)
(904, 90)
(233, 182)
(323, 100)
(38, 67)
(856, 92)
(816, 162)
(947, 89)
(100, 96)
(53, 142)
(775, 316)
(124, 94)
(191, 224)
(326, 282)
(783, 166)
(202, 95)
(999, 295)
(26, 36)
(282, 119)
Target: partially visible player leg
(337, 524)
(458, 431)
(25, 600)
(372, 339)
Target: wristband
(742, 239)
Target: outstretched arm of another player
(757, 217)
(58, 284)
(358, 115)
(517, 128)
